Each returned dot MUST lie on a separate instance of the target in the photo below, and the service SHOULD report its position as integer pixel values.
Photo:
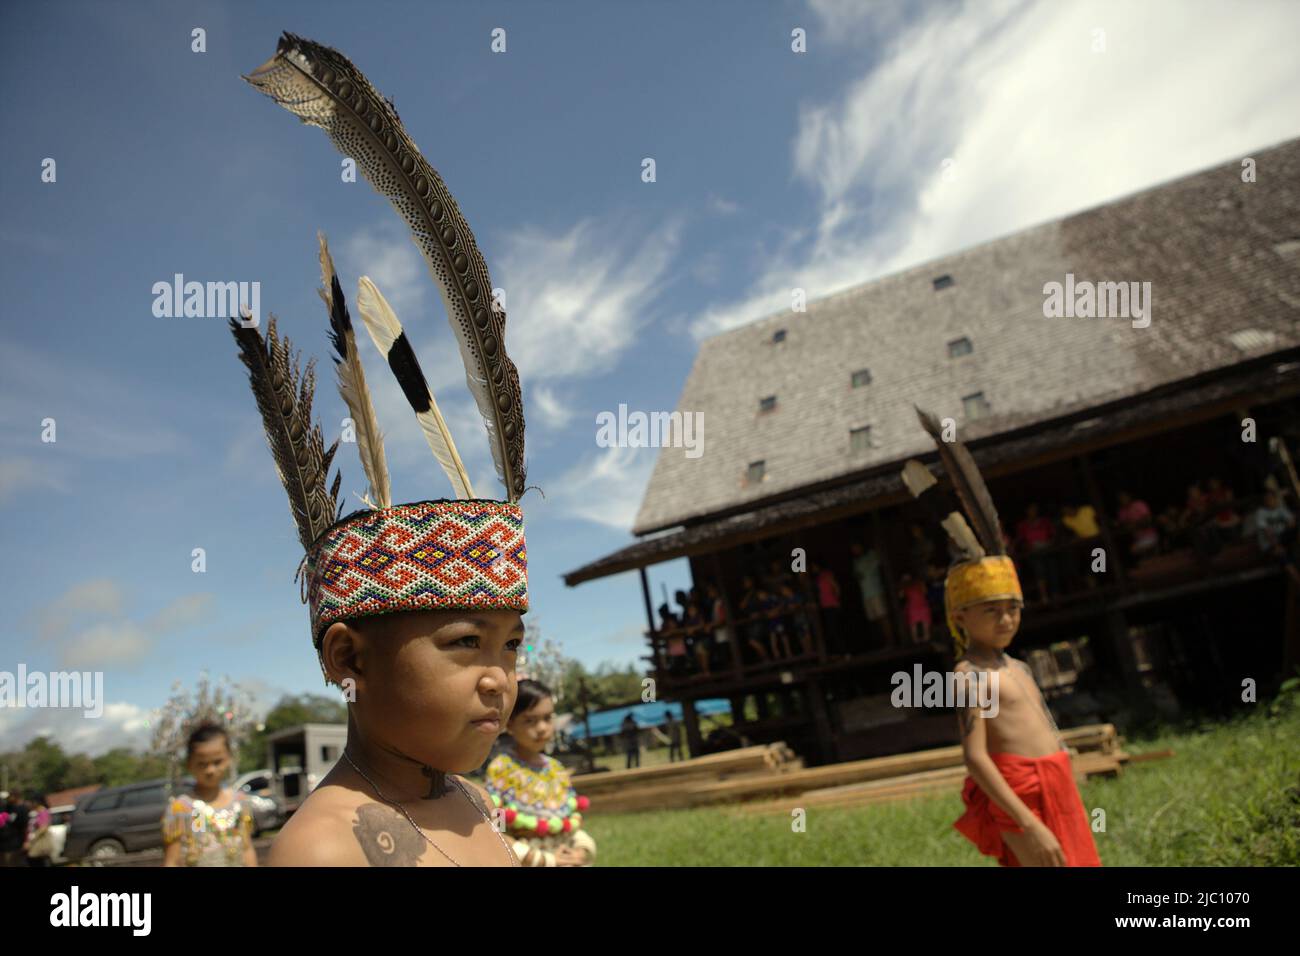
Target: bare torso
(1023, 724)
(342, 823)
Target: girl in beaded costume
(211, 826)
(542, 810)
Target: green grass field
(1230, 796)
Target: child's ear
(339, 647)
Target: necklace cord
(418, 829)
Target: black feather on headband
(352, 384)
(969, 486)
(297, 446)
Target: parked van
(117, 820)
(127, 819)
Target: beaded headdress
(460, 552)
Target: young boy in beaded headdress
(1022, 805)
(415, 608)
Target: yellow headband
(991, 578)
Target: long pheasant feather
(322, 87)
(284, 399)
(919, 480)
(352, 382)
(387, 333)
(969, 486)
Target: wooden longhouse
(810, 416)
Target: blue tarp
(646, 715)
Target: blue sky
(774, 169)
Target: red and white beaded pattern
(431, 555)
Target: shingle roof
(1223, 260)
(1257, 381)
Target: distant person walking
(631, 734)
(673, 731)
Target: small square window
(861, 377)
(756, 471)
(767, 404)
(975, 406)
(960, 347)
(860, 439)
(778, 335)
(942, 282)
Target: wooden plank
(1098, 739)
(748, 759)
(948, 780)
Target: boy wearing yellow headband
(1022, 805)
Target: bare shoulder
(477, 794)
(318, 834)
(965, 666)
(338, 826)
(1020, 666)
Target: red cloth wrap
(1046, 785)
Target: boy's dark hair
(202, 734)
(530, 692)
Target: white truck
(300, 757)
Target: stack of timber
(768, 779)
(650, 787)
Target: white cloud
(722, 206)
(262, 696)
(120, 725)
(576, 301)
(20, 473)
(544, 403)
(387, 255)
(847, 22)
(109, 643)
(89, 628)
(1036, 123)
(181, 613)
(606, 488)
(99, 597)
